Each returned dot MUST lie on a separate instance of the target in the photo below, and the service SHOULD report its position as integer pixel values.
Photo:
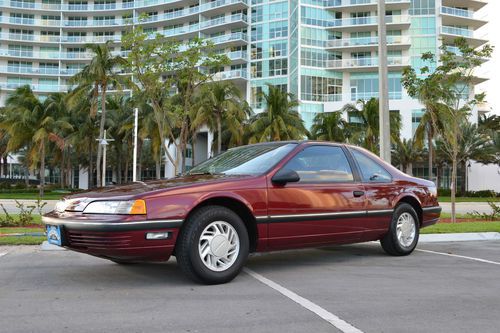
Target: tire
(213, 246)
(404, 231)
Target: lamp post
(384, 118)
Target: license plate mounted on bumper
(54, 234)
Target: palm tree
(94, 78)
(329, 126)
(280, 121)
(406, 152)
(364, 126)
(217, 102)
(31, 124)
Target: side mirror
(284, 176)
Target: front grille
(93, 240)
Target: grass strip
(463, 227)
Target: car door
(380, 191)
(326, 205)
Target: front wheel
(213, 246)
(404, 231)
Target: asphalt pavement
(442, 287)
(461, 207)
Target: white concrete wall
(483, 177)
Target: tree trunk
(61, 171)
(125, 176)
(431, 152)
(219, 132)
(139, 160)
(463, 184)
(27, 176)
(410, 169)
(453, 188)
(69, 170)
(90, 175)
(158, 168)
(119, 163)
(101, 135)
(42, 169)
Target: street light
(384, 118)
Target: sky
(491, 69)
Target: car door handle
(358, 193)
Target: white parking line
(459, 256)
(3, 253)
(318, 310)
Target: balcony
(89, 39)
(455, 17)
(172, 16)
(365, 5)
(353, 24)
(233, 39)
(449, 34)
(363, 64)
(238, 74)
(30, 5)
(222, 6)
(238, 57)
(224, 23)
(368, 43)
(474, 5)
(184, 30)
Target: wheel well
(241, 210)
(416, 205)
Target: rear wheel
(213, 246)
(404, 231)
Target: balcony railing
(366, 41)
(234, 74)
(457, 31)
(172, 15)
(457, 12)
(223, 20)
(220, 3)
(229, 37)
(53, 54)
(366, 62)
(369, 20)
(344, 3)
(237, 55)
(29, 70)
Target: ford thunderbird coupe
(255, 198)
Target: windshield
(246, 160)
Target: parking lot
(442, 287)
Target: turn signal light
(139, 207)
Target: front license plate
(54, 234)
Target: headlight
(116, 207)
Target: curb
(462, 237)
(51, 247)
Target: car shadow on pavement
(338, 254)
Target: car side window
(370, 170)
(321, 164)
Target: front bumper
(114, 237)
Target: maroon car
(255, 198)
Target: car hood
(137, 188)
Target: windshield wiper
(205, 173)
